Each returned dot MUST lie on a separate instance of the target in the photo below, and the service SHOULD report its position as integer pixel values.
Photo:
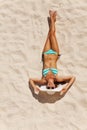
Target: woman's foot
(53, 15)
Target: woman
(50, 55)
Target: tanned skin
(50, 61)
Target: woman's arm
(35, 82)
(69, 79)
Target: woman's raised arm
(35, 82)
(68, 79)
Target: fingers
(63, 91)
(36, 90)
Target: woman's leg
(47, 45)
(53, 40)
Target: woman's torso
(49, 61)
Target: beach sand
(23, 32)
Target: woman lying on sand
(50, 55)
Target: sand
(23, 31)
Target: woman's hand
(36, 89)
(63, 91)
(69, 80)
(33, 83)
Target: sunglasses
(50, 87)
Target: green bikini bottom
(50, 52)
(53, 70)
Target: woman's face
(50, 84)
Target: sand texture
(23, 32)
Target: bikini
(50, 52)
(53, 70)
